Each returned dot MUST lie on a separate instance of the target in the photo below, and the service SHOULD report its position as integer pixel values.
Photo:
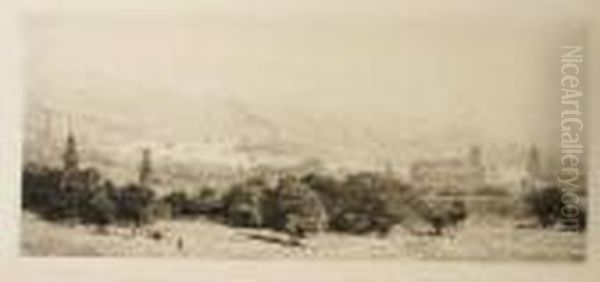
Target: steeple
(475, 156)
(532, 165)
(71, 156)
(145, 167)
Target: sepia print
(225, 132)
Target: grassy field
(477, 239)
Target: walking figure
(180, 244)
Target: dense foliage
(82, 196)
(547, 205)
(206, 202)
(363, 202)
(357, 203)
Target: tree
(41, 189)
(243, 205)
(206, 202)
(102, 207)
(134, 204)
(299, 209)
(178, 203)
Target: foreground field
(489, 239)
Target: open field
(489, 239)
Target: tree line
(358, 203)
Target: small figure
(180, 244)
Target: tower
(70, 162)
(71, 156)
(532, 169)
(145, 168)
(532, 163)
(475, 156)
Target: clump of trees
(135, 203)
(290, 206)
(442, 214)
(297, 209)
(363, 202)
(83, 197)
(371, 202)
(247, 204)
(205, 202)
(359, 203)
(40, 190)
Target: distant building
(450, 175)
(525, 172)
(457, 174)
(470, 171)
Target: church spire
(532, 165)
(145, 167)
(71, 156)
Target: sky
(486, 72)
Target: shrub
(441, 214)
(546, 205)
(492, 191)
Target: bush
(546, 205)
(442, 213)
(492, 191)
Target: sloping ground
(478, 239)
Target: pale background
(507, 19)
(420, 76)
